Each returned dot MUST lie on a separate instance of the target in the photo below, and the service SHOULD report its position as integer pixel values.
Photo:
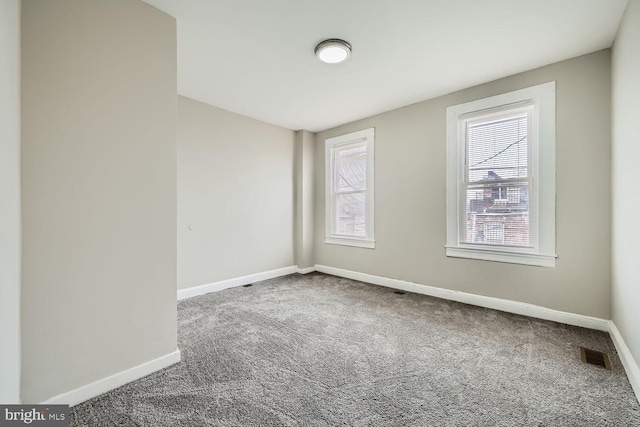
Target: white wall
(625, 301)
(98, 191)
(10, 201)
(410, 197)
(235, 191)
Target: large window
(501, 178)
(349, 189)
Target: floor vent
(596, 358)
(399, 292)
(246, 286)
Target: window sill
(538, 260)
(346, 241)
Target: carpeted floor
(318, 350)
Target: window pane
(350, 213)
(497, 148)
(351, 167)
(501, 177)
(349, 210)
(496, 213)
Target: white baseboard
(629, 363)
(111, 382)
(305, 270)
(509, 306)
(473, 299)
(104, 385)
(232, 283)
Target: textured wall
(99, 191)
(10, 201)
(235, 190)
(410, 196)
(625, 305)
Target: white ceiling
(255, 57)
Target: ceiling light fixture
(333, 51)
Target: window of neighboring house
(501, 178)
(349, 189)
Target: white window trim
(362, 242)
(543, 164)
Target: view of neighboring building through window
(501, 177)
(497, 186)
(349, 189)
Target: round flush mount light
(333, 51)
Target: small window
(501, 178)
(349, 189)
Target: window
(501, 178)
(349, 189)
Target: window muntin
(349, 189)
(501, 178)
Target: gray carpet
(318, 350)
